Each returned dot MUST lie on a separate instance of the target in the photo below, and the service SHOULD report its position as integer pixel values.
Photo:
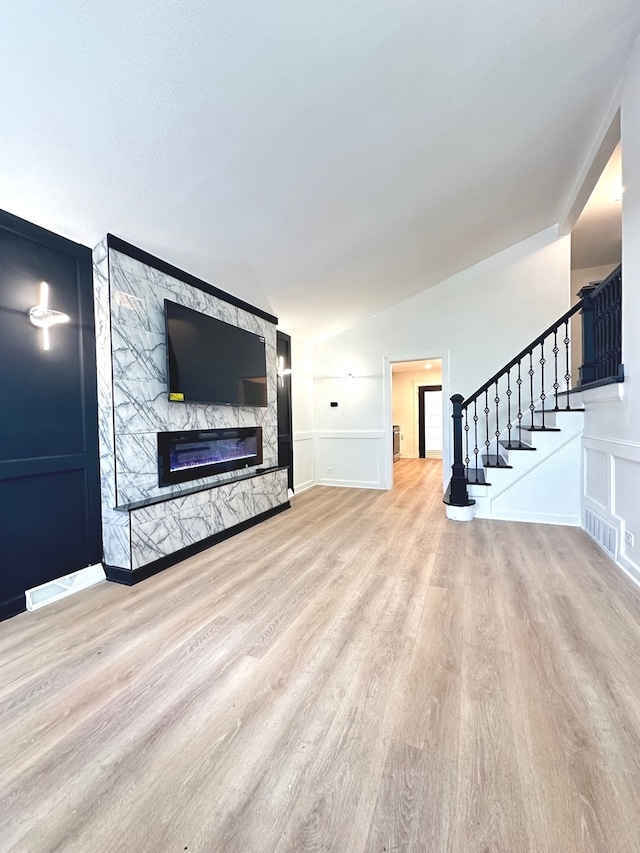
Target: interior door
(285, 427)
(429, 420)
(49, 474)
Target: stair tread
(515, 445)
(476, 477)
(555, 411)
(493, 461)
(539, 428)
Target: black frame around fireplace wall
(169, 440)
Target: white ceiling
(416, 366)
(321, 159)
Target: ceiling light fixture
(44, 317)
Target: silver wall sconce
(44, 317)
(281, 370)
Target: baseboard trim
(351, 484)
(533, 518)
(627, 566)
(129, 577)
(13, 606)
(303, 487)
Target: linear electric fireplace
(189, 455)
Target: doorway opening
(417, 411)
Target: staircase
(537, 479)
(517, 439)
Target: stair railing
(513, 394)
(535, 380)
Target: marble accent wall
(160, 529)
(132, 392)
(116, 537)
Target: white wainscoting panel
(597, 464)
(303, 460)
(351, 458)
(612, 484)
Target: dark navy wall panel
(54, 538)
(49, 479)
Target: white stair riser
(510, 496)
(561, 419)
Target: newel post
(457, 495)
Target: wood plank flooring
(356, 675)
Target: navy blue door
(49, 474)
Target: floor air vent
(59, 588)
(604, 533)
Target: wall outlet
(628, 537)
(329, 470)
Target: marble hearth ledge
(258, 472)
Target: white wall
(580, 278)
(302, 415)
(405, 405)
(611, 441)
(475, 321)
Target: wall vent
(605, 534)
(59, 588)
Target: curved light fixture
(44, 317)
(281, 370)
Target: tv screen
(209, 361)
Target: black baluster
(532, 407)
(509, 424)
(567, 375)
(519, 415)
(599, 342)
(556, 384)
(617, 366)
(543, 396)
(597, 336)
(612, 324)
(487, 442)
(496, 400)
(476, 449)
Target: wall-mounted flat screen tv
(209, 361)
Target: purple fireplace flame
(189, 455)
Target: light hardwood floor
(356, 675)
